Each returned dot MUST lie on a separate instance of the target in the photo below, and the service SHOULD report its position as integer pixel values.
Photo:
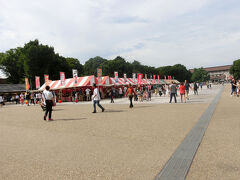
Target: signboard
(62, 78)
(75, 75)
(37, 81)
(46, 79)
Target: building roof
(216, 68)
(8, 88)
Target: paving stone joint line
(178, 165)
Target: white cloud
(156, 32)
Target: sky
(195, 33)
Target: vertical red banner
(158, 79)
(165, 78)
(154, 77)
(27, 84)
(37, 81)
(46, 79)
(139, 81)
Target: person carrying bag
(48, 98)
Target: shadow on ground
(70, 119)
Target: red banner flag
(158, 78)
(139, 81)
(173, 77)
(27, 84)
(37, 81)
(170, 77)
(154, 77)
(46, 79)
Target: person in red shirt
(130, 92)
(182, 92)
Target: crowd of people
(142, 93)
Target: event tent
(70, 83)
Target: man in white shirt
(96, 98)
(88, 94)
(49, 99)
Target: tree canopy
(200, 75)
(35, 59)
(235, 69)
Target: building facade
(218, 73)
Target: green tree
(11, 62)
(200, 75)
(235, 69)
(90, 66)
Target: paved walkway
(218, 156)
(120, 143)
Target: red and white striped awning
(70, 83)
(106, 81)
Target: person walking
(182, 92)
(96, 99)
(48, 99)
(88, 94)
(28, 98)
(112, 94)
(130, 93)
(187, 86)
(173, 91)
(32, 98)
(22, 98)
(195, 88)
(234, 87)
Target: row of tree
(35, 59)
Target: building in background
(218, 73)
